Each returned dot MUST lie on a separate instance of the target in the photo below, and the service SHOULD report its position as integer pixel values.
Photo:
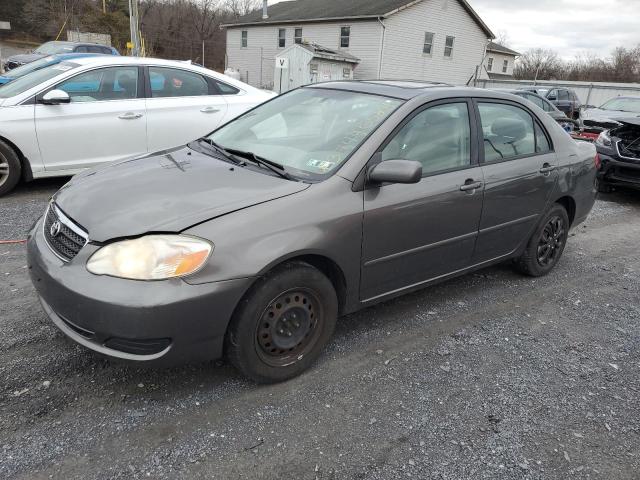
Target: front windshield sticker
(322, 165)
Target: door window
(508, 131)
(438, 137)
(534, 99)
(114, 83)
(226, 89)
(563, 95)
(172, 82)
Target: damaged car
(619, 151)
(597, 119)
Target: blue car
(42, 63)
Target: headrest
(509, 127)
(127, 81)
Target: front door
(183, 106)
(520, 174)
(416, 233)
(105, 120)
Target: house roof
(497, 48)
(328, 53)
(299, 11)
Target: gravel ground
(488, 376)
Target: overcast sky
(571, 27)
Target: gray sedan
(250, 242)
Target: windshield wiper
(275, 167)
(226, 154)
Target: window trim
(489, 64)
(244, 38)
(505, 66)
(431, 44)
(295, 37)
(348, 37)
(282, 38)
(480, 134)
(474, 158)
(453, 43)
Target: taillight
(597, 161)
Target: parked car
(77, 114)
(619, 150)
(252, 240)
(542, 91)
(56, 48)
(38, 64)
(565, 122)
(566, 100)
(605, 117)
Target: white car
(85, 112)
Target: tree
(239, 8)
(538, 64)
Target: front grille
(63, 236)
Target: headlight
(152, 257)
(604, 140)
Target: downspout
(384, 30)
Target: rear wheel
(10, 168)
(546, 245)
(282, 324)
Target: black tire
(604, 187)
(10, 168)
(282, 324)
(546, 245)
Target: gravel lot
(488, 376)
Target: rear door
(420, 232)
(520, 174)
(182, 106)
(105, 120)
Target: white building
(436, 40)
(499, 62)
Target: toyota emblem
(54, 230)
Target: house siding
(256, 63)
(404, 38)
(498, 59)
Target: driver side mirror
(55, 97)
(395, 171)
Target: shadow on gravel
(625, 196)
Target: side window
(448, 46)
(537, 100)
(490, 64)
(282, 37)
(244, 39)
(428, 43)
(553, 95)
(226, 89)
(563, 95)
(508, 131)
(114, 83)
(547, 106)
(297, 35)
(345, 37)
(505, 66)
(542, 142)
(81, 49)
(172, 82)
(438, 137)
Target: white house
(498, 62)
(436, 40)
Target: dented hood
(165, 192)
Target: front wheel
(10, 168)
(546, 245)
(283, 323)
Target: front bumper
(162, 322)
(615, 171)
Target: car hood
(25, 57)
(600, 115)
(168, 191)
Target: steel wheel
(289, 327)
(551, 241)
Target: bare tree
(538, 64)
(503, 38)
(241, 7)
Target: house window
(282, 37)
(346, 73)
(428, 43)
(490, 64)
(297, 37)
(345, 35)
(505, 66)
(245, 36)
(448, 46)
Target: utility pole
(133, 25)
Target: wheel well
(27, 175)
(329, 268)
(570, 206)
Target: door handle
(210, 110)
(130, 116)
(547, 169)
(470, 186)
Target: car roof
(122, 60)
(66, 42)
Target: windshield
(29, 67)
(310, 131)
(51, 48)
(623, 104)
(33, 79)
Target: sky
(570, 27)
